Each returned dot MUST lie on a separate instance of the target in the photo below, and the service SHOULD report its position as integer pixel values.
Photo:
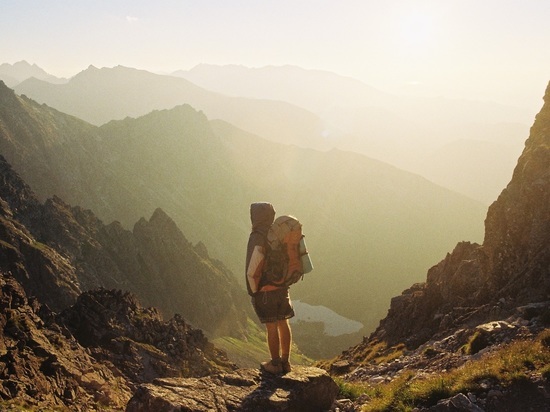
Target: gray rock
(304, 389)
(340, 367)
(458, 403)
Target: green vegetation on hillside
(250, 352)
(511, 365)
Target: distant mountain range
(372, 228)
(316, 109)
(407, 132)
(13, 74)
(100, 95)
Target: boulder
(458, 403)
(304, 389)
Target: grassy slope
(511, 366)
(253, 351)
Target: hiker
(271, 303)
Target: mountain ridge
(205, 174)
(155, 261)
(403, 131)
(288, 104)
(13, 74)
(100, 95)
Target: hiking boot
(287, 367)
(270, 367)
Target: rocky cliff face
(41, 269)
(43, 365)
(95, 353)
(517, 228)
(510, 269)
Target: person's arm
(255, 267)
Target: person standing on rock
(271, 303)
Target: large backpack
(287, 258)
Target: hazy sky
(481, 49)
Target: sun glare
(416, 30)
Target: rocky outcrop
(302, 390)
(455, 351)
(41, 269)
(95, 353)
(115, 328)
(43, 366)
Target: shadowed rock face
(42, 365)
(116, 328)
(42, 270)
(96, 352)
(302, 390)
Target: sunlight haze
(489, 50)
(404, 136)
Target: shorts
(273, 305)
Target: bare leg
(273, 342)
(285, 336)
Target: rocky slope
(93, 355)
(96, 347)
(479, 298)
(248, 390)
(57, 251)
(43, 365)
(41, 269)
(117, 330)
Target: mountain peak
(13, 189)
(6, 94)
(160, 216)
(16, 73)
